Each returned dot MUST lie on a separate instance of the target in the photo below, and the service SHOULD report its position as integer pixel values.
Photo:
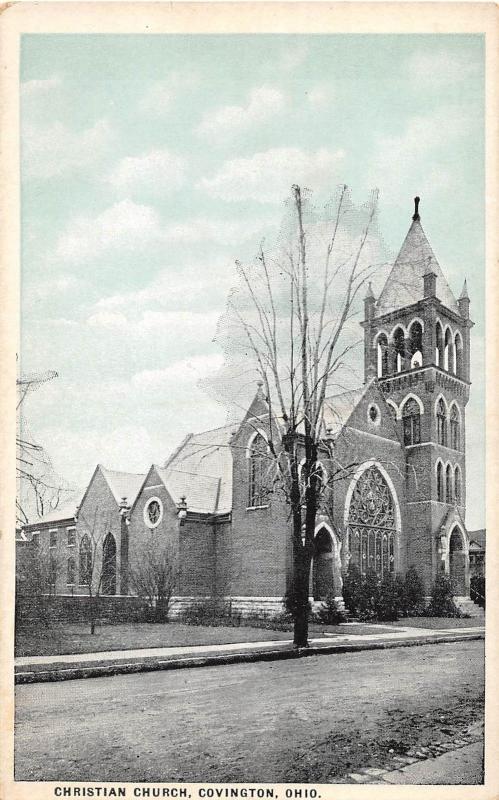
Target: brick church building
(403, 503)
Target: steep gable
(404, 285)
(351, 410)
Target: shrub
(387, 598)
(352, 589)
(442, 603)
(206, 612)
(330, 613)
(412, 599)
(477, 589)
(369, 597)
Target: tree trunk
(301, 585)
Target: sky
(151, 163)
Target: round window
(153, 512)
(373, 413)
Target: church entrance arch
(457, 563)
(322, 572)
(372, 519)
(109, 565)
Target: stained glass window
(85, 561)
(258, 470)
(454, 428)
(412, 423)
(371, 521)
(441, 423)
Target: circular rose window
(153, 512)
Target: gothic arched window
(441, 423)
(412, 422)
(398, 351)
(85, 561)
(449, 360)
(454, 428)
(440, 482)
(416, 344)
(457, 485)
(258, 471)
(371, 524)
(71, 571)
(382, 356)
(439, 347)
(449, 498)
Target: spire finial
(464, 293)
(415, 216)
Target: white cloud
(36, 86)
(268, 176)
(160, 95)
(320, 97)
(125, 225)
(226, 122)
(54, 150)
(157, 171)
(187, 371)
(181, 326)
(292, 56)
(433, 70)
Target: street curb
(153, 664)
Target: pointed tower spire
(416, 216)
(464, 302)
(259, 391)
(464, 294)
(369, 293)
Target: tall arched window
(412, 422)
(448, 485)
(457, 486)
(71, 571)
(85, 561)
(454, 428)
(109, 565)
(439, 346)
(398, 352)
(382, 356)
(440, 482)
(441, 423)
(449, 352)
(458, 347)
(371, 524)
(258, 472)
(416, 344)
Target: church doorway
(371, 521)
(109, 565)
(322, 577)
(457, 563)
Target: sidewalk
(34, 669)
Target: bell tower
(417, 345)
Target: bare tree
(39, 487)
(292, 316)
(97, 563)
(153, 575)
(36, 576)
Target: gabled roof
(201, 469)
(404, 285)
(62, 513)
(478, 537)
(123, 484)
(339, 408)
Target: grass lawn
(76, 638)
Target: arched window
(382, 356)
(457, 486)
(440, 482)
(458, 347)
(454, 428)
(398, 353)
(71, 571)
(258, 471)
(109, 565)
(448, 485)
(371, 524)
(441, 423)
(85, 561)
(449, 352)
(439, 347)
(416, 344)
(412, 423)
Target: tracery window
(71, 573)
(371, 524)
(412, 422)
(258, 472)
(85, 561)
(454, 428)
(441, 423)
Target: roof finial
(464, 293)
(415, 216)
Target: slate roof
(338, 408)
(123, 484)
(404, 285)
(64, 512)
(201, 469)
